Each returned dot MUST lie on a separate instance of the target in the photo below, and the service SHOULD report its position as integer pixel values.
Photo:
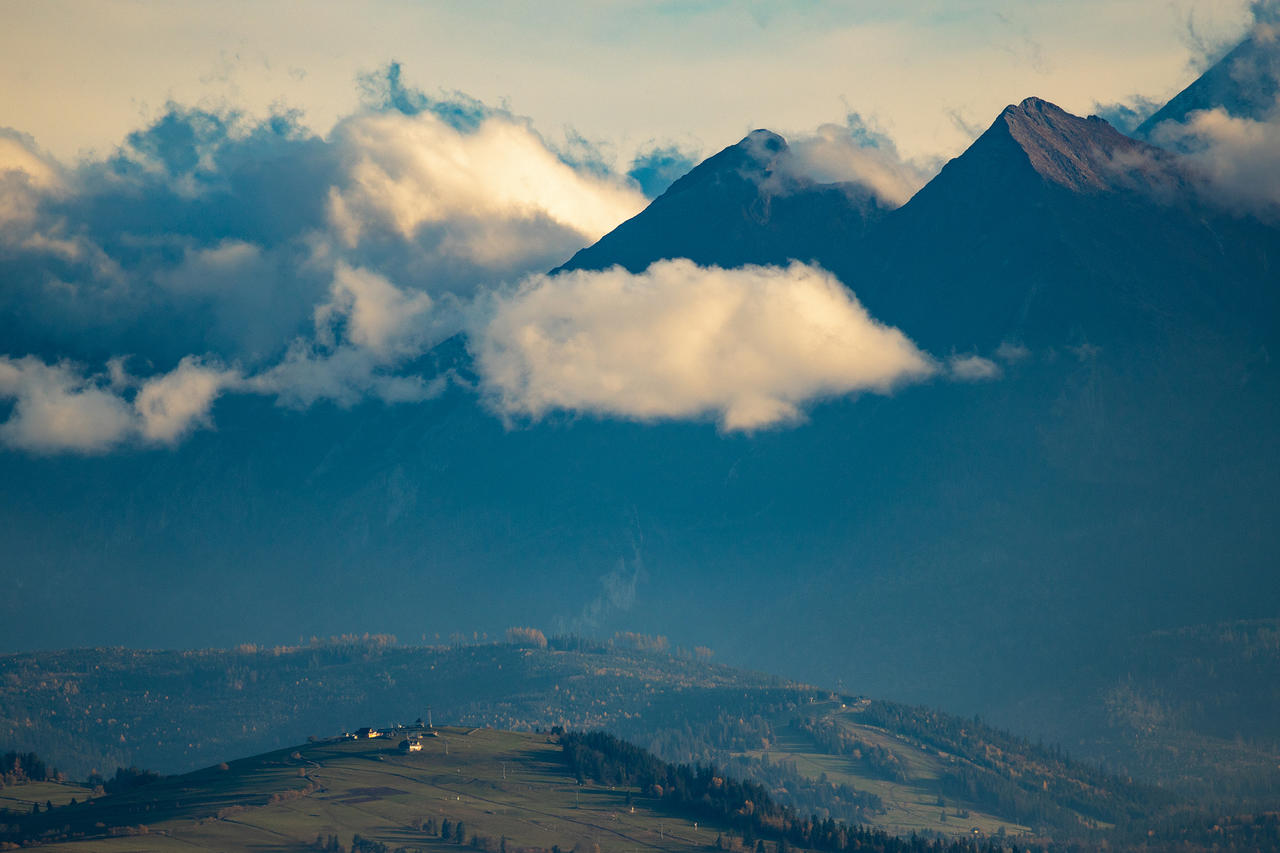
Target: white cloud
(171, 405)
(750, 346)
(56, 409)
(344, 375)
(1237, 158)
(378, 316)
(491, 193)
(363, 334)
(833, 154)
(973, 368)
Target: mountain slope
(1054, 230)
(740, 206)
(1245, 83)
(465, 788)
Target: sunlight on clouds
(366, 330)
(57, 408)
(749, 346)
(835, 154)
(171, 405)
(1238, 158)
(24, 175)
(407, 172)
(379, 316)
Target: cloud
(367, 329)
(208, 239)
(972, 368)
(1125, 116)
(1236, 159)
(657, 168)
(748, 346)
(218, 254)
(1012, 352)
(490, 197)
(24, 174)
(57, 408)
(171, 405)
(209, 232)
(377, 315)
(858, 152)
(1232, 146)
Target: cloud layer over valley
(212, 254)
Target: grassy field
(499, 784)
(910, 805)
(19, 798)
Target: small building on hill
(410, 745)
(367, 732)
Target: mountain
(1054, 230)
(744, 205)
(1245, 83)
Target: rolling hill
(896, 768)
(462, 788)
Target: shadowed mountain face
(1053, 230)
(741, 206)
(963, 545)
(1245, 83)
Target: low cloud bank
(749, 346)
(217, 254)
(855, 153)
(318, 267)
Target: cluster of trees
(626, 641)
(632, 641)
(17, 768)
(359, 844)
(125, 779)
(745, 807)
(526, 638)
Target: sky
(79, 76)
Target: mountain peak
(1081, 154)
(764, 138)
(752, 158)
(744, 205)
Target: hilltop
(456, 787)
(895, 767)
